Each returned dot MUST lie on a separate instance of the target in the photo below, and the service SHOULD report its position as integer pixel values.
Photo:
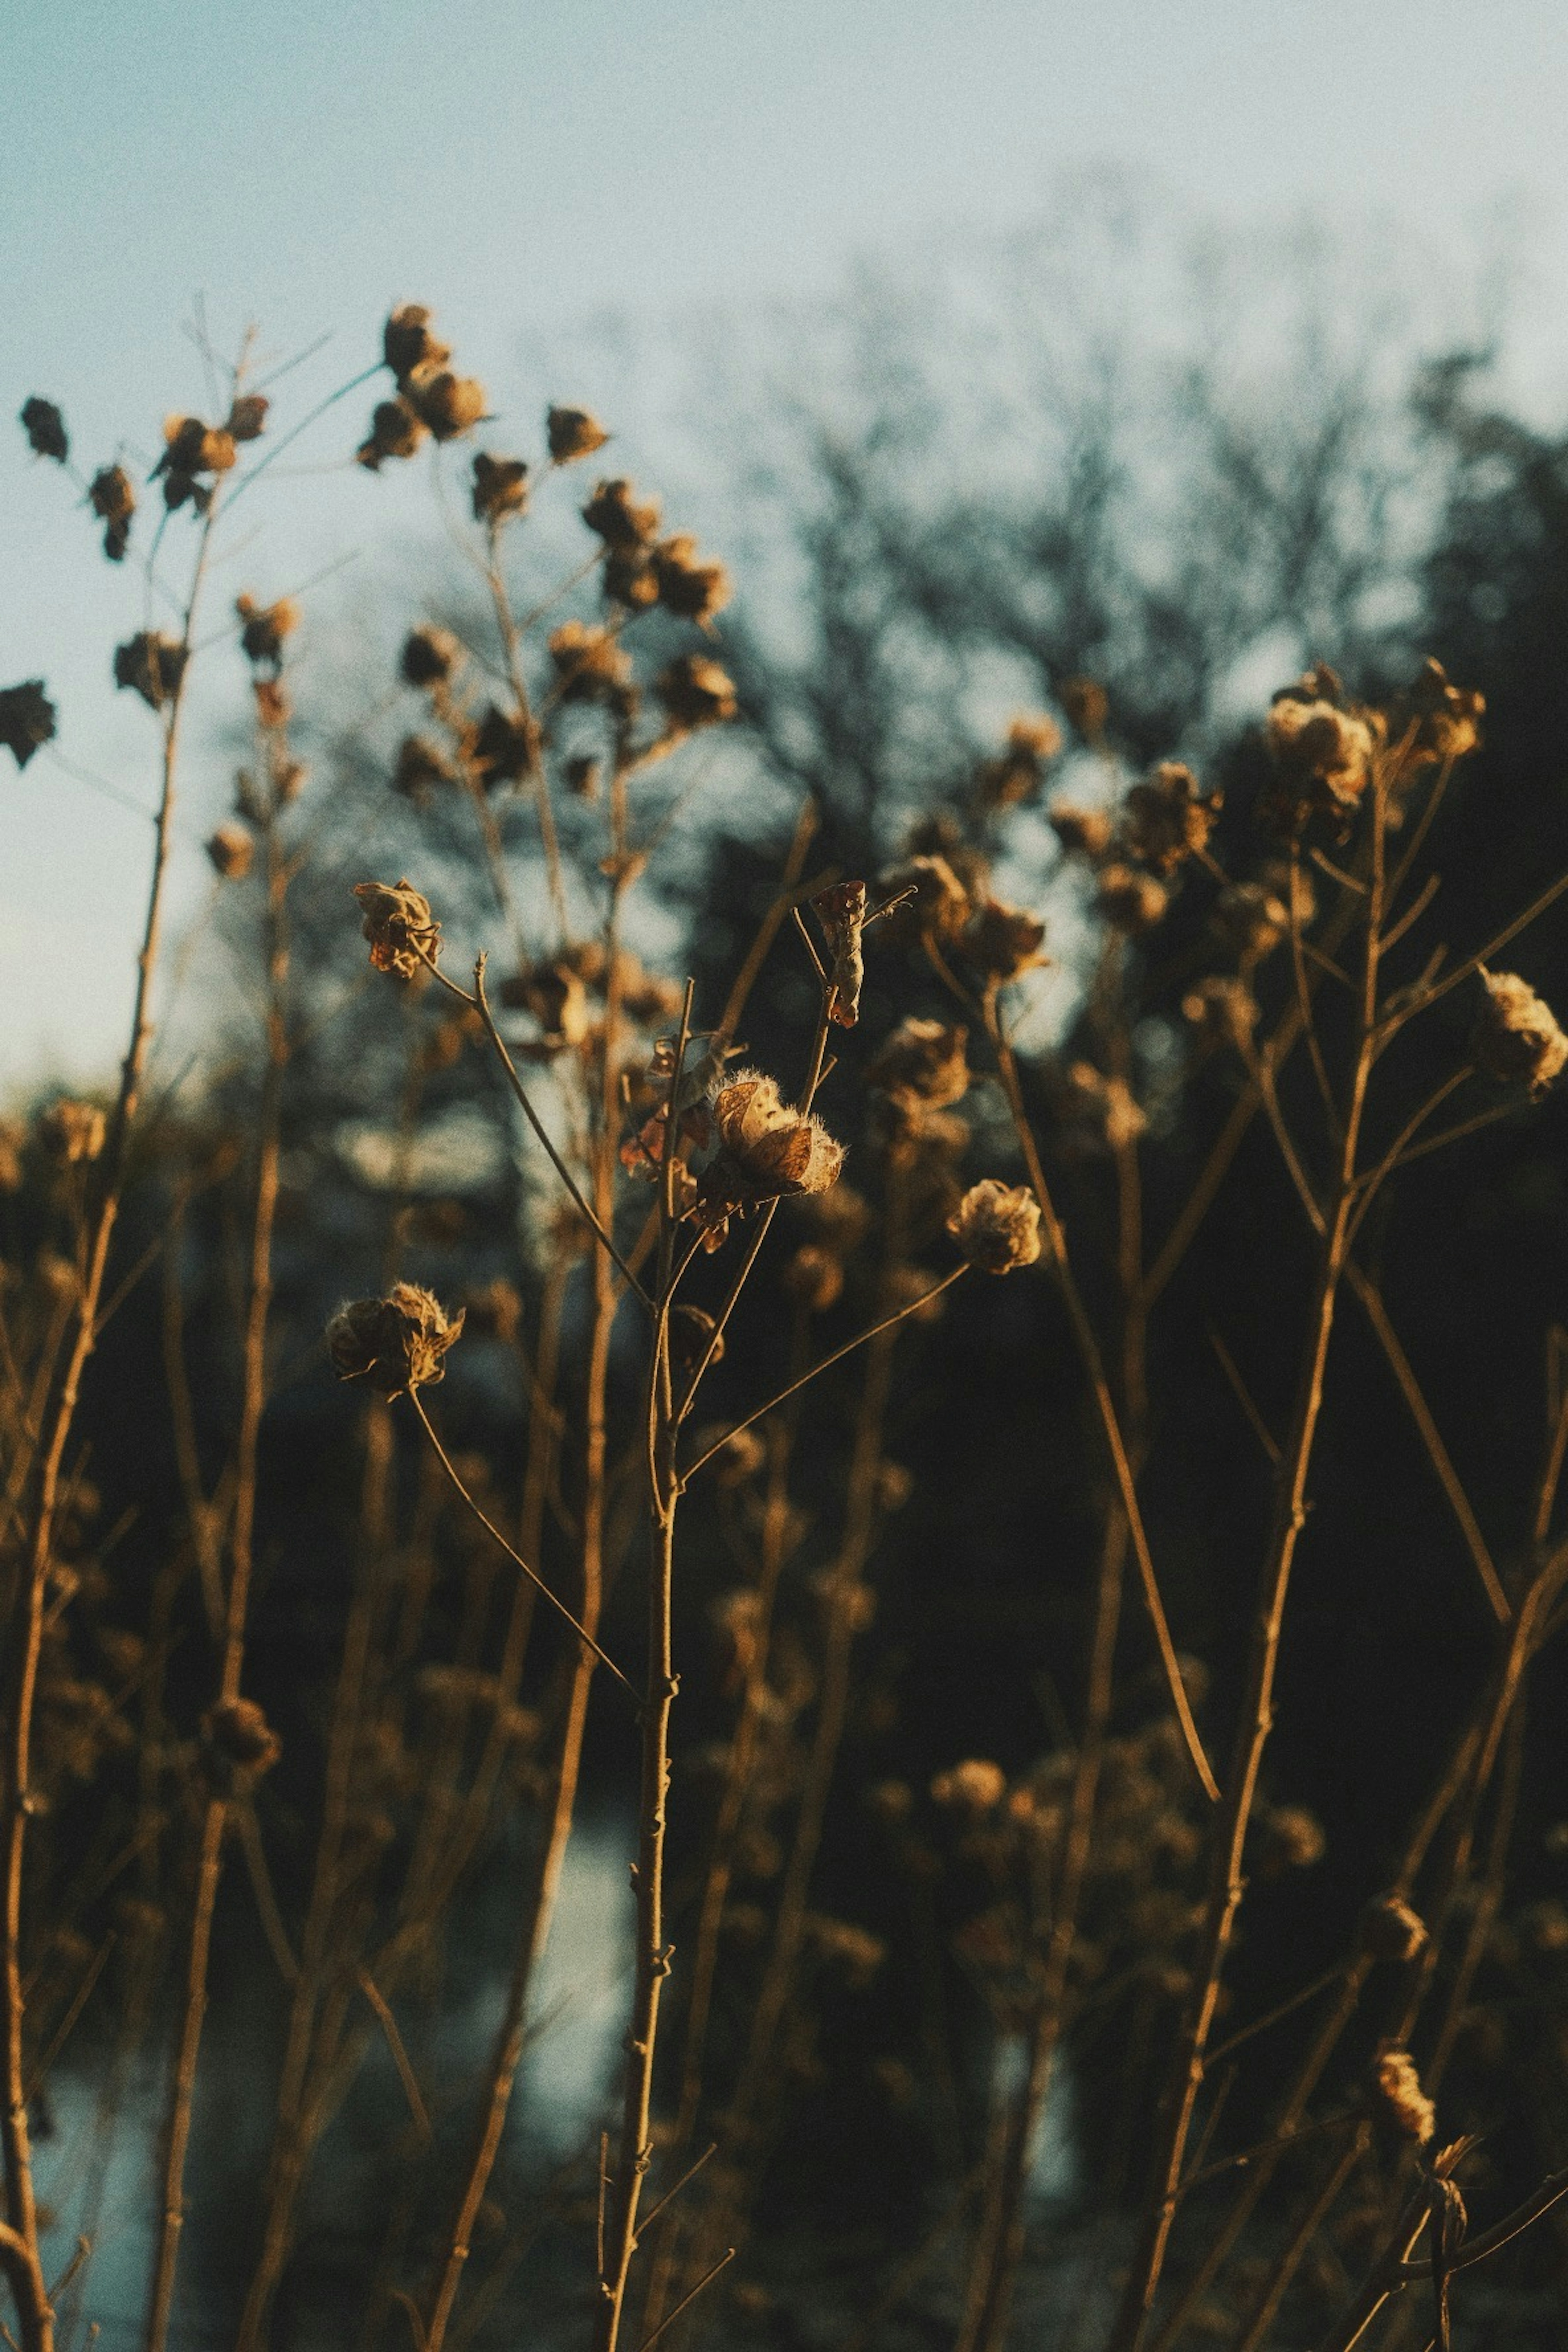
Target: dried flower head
(1391, 1930)
(998, 1226)
(1288, 1838)
(1083, 833)
(247, 419)
(27, 719)
(1017, 773)
(841, 911)
(1087, 704)
(939, 906)
(627, 578)
(614, 515)
(555, 995)
(1409, 2109)
(398, 923)
(407, 343)
(396, 431)
(975, 1787)
(72, 1132)
(113, 500)
(448, 404)
(192, 447)
(421, 768)
(1223, 1011)
(44, 427)
(923, 1062)
(691, 1334)
(1004, 943)
(1251, 919)
(430, 656)
(684, 584)
(591, 665)
(1130, 899)
(395, 1343)
(1443, 720)
(500, 487)
(1517, 1037)
(1108, 1103)
(813, 1277)
(231, 849)
(494, 1310)
(238, 1732)
(572, 433)
(1166, 819)
(1323, 750)
(264, 627)
(696, 692)
(503, 747)
(767, 1150)
(153, 665)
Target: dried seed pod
(841, 911)
(973, 1787)
(1083, 833)
(192, 447)
(500, 487)
(1391, 1930)
(430, 656)
(940, 905)
(627, 578)
(572, 433)
(1517, 1037)
(395, 1343)
(1131, 900)
(696, 692)
(231, 849)
(1087, 704)
(998, 1226)
(767, 1150)
(1322, 749)
(1018, 774)
(448, 404)
(1251, 919)
(396, 431)
(1443, 720)
(263, 628)
(238, 1732)
(503, 748)
(44, 427)
(1223, 1011)
(113, 500)
(614, 515)
(813, 1277)
(922, 1061)
(153, 665)
(407, 343)
(246, 418)
(1166, 819)
(1288, 1838)
(398, 923)
(684, 585)
(1408, 2109)
(1004, 943)
(591, 665)
(27, 718)
(421, 768)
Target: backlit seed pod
(1002, 942)
(1018, 774)
(591, 665)
(1442, 720)
(151, 664)
(627, 578)
(813, 1277)
(973, 1787)
(407, 343)
(27, 718)
(421, 768)
(998, 1226)
(449, 404)
(1224, 1011)
(395, 1343)
(1408, 2109)
(1323, 750)
(1083, 833)
(238, 1731)
(1391, 1930)
(192, 447)
(572, 433)
(923, 1061)
(44, 427)
(247, 419)
(685, 585)
(614, 515)
(231, 849)
(1517, 1037)
(398, 923)
(396, 431)
(503, 748)
(696, 692)
(1130, 900)
(430, 656)
(1166, 819)
(264, 627)
(767, 1150)
(500, 487)
(113, 501)
(1251, 919)
(939, 906)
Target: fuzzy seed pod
(44, 427)
(1391, 1930)
(1517, 1037)
(572, 433)
(696, 692)
(614, 515)
(1322, 751)
(231, 849)
(395, 1343)
(1290, 1838)
(1087, 704)
(813, 1277)
(690, 589)
(1130, 900)
(1004, 943)
(1166, 819)
(1224, 1011)
(448, 404)
(153, 665)
(500, 487)
(407, 343)
(238, 1732)
(973, 1787)
(1443, 720)
(1251, 919)
(922, 1061)
(27, 718)
(768, 1150)
(590, 665)
(399, 926)
(421, 768)
(503, 748)
(72, 1132)
(941, 906)
(430, 656)
(1017, 775)
(396, 431)
(1083, 833)
(247, 419)
(192, 447)
(626, 578)
(841, 911)
(263, 628)
(998, 1226)
(113, 501)
(1408, 2109)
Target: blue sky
(526, 166)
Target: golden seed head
(696, 692)
(231, 849)
(238, 1731)
(1323, 750)
(396, 431)
(1004, 943)
(430, 656)
(614, 515)
(1391, 1930)
(247, 419)
(500, 487)
(1130, 899)
(395, 1343)
(1443, 720)
(1083, 833)
(591, 665)
(1517, 1038)
(1409, 2109)
(684, 584)
(72, 1132)
(1223, 1011)
(1018, 772)
(402, 932)
(922, 1061)
(975, 1787)
(572, 433)
(264, 627)
(407, 343)
(448, 404)
(1166, 819)
(998, 1226)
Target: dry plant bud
(1323, 750)
(500, 487)
(840, 1218)
(1251, 918)
(44, 427)
(192, 447)
(72, 1132)
(841, 911)
(113, 501)
(237, 1731)
(398, 923)
(503, 748)
(741, 1454)
(923, 1062)
(1391, 1930)
(1408, 2109)
(1167, 819)
(11, 1141)
(153, 665)
(572, 433)
(1224, 1011)
(407, 343)
(1443, 720)
(420, 770)
(590, 665)
(263, 628)
(231, 849)
(273, 708)
(1109, 1102)
(449, 404)
(1517, 1038)
(768, 1150)
(396, 431)
(398, 1342)
(813, 1277)
(1004, 943)
(1083, 833)
(696, 692)
(1131, 902)
(28, 720)
(690, 589)
(998, 1226)
(941, 906)
(614, 515)
(1290, 1838)
(493, 1309)
(974, 1788)
(1088, 706)
(247, 419)
(628, 579)
(1017, 775)
(430, 656)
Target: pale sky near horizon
(525, 165)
